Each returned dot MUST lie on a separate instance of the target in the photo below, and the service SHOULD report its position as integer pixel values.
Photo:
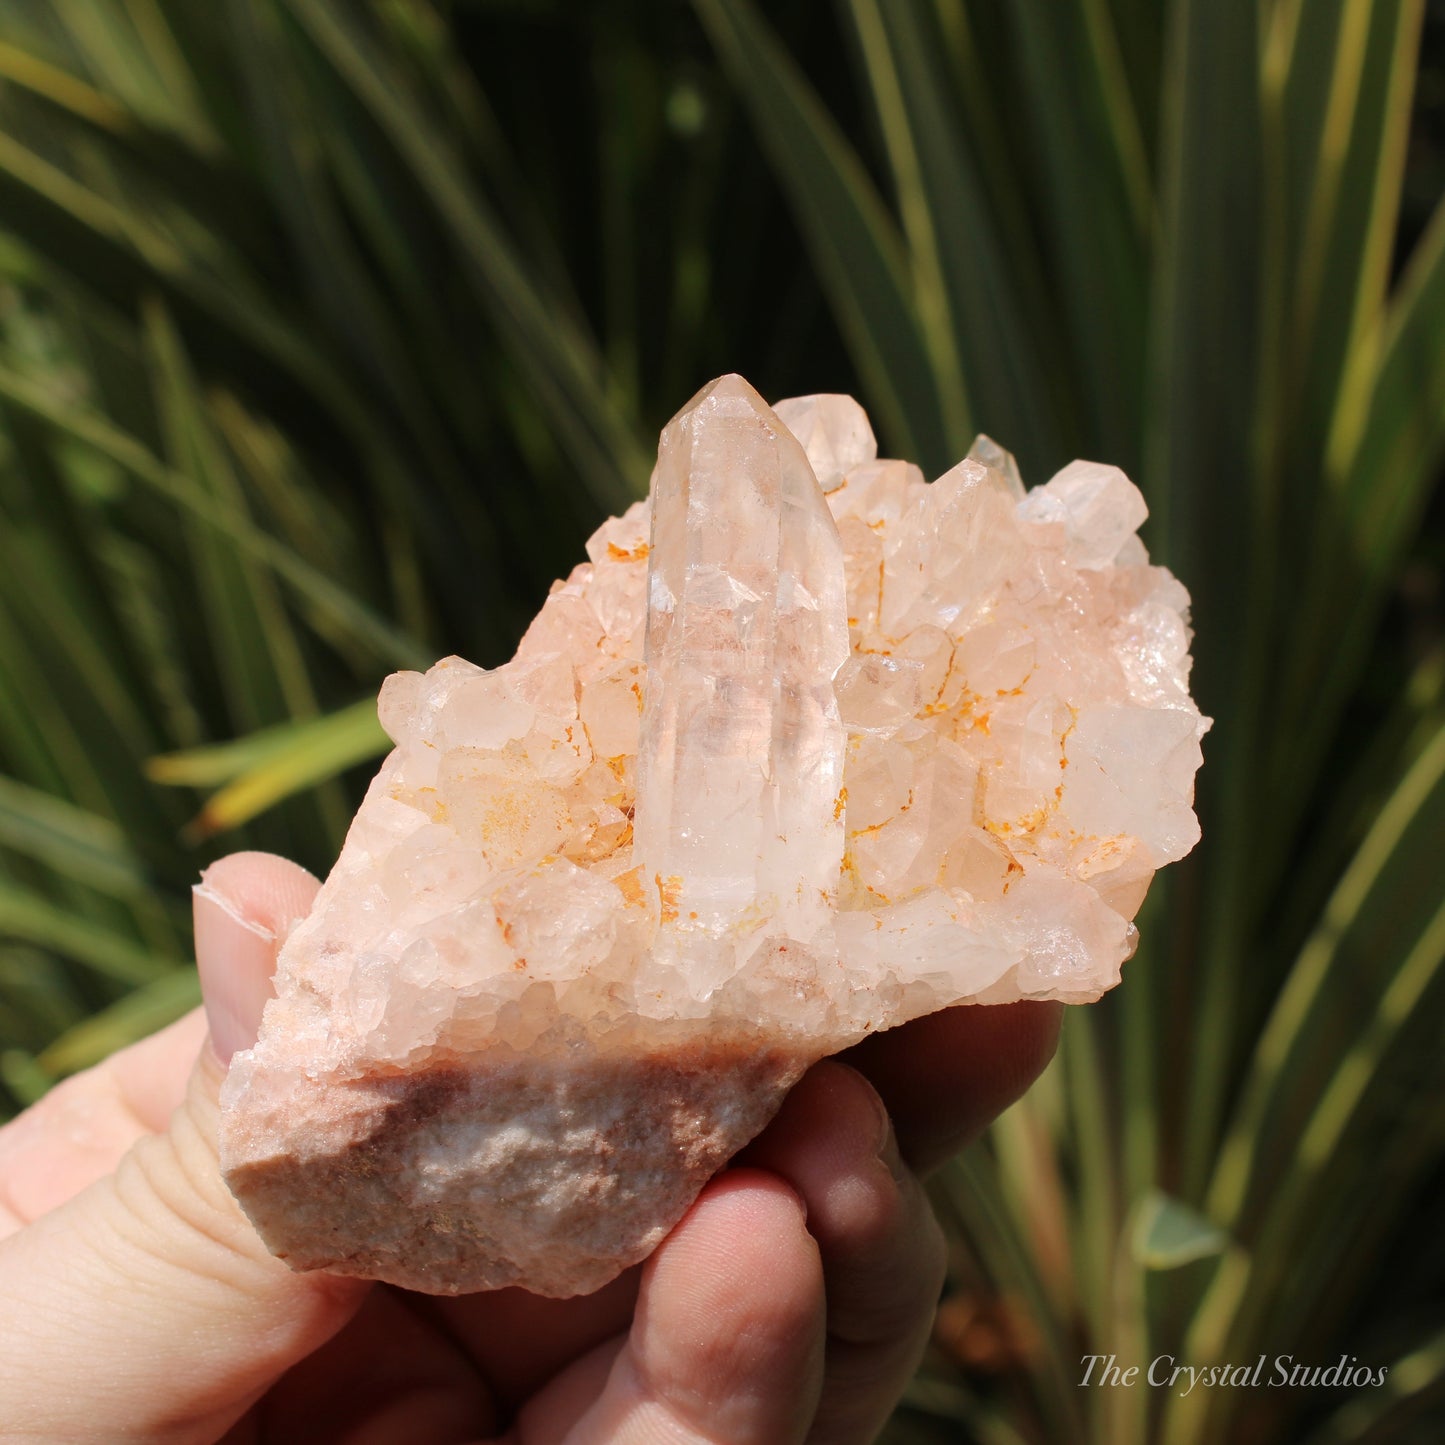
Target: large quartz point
(808, 748)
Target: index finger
(947, 1076)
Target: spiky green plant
(328, 328)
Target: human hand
(790, 1304)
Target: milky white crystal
(808, 748)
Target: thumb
(146, 1307)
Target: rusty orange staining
(1025, 826)
(841, 804)
(630, 884)
(668, 891)
(938, 705)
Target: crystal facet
(807, 748)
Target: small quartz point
(835, 433)
(988, 452)
(807, 748)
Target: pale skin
(791, 1303)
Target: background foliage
(328, 330)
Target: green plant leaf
(90, 849)
(1339, 85)
(276, 763)
(1322, 1069)
(23, 1077)
(1095, 164)
(560, 361)
(30, 919)
(854, 242)
(1377, 1413)
(331, 600)
(1167, 1233)
(1385, 453)
(137, 1015)
(970, 1195)
(1204, 367)
(59, 87)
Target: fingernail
(235, 957)
(886, 1149)
(892, 1159)
(883, 1125)
(801, 1203)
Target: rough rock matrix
(808, 748)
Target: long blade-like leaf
(261, 770)
(90, 849)
(1198, 472)
(561, 362)
(30, 919)
(138, 1014)
(854, 242)
(334, 602)
(1094, 165)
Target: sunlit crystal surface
(740, 764)
(807, 748)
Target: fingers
(726, 1347)
(389, 1376)
(881, 1248)
(152, 1276)
(879, 1252)
(728, 1335)
(946, 1077)
(732, 1314)
(520, 1341)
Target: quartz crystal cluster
(808, 747)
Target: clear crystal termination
(808, 748)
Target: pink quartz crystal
(807, 749)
